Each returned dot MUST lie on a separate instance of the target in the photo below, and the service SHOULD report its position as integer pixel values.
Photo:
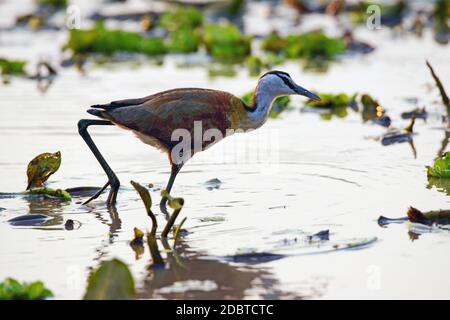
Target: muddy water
(319, 175)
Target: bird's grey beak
(302, 91)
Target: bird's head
(279, 83)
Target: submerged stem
(444, 95)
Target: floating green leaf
(11, 289)
(12, 67)
(441, 167)
(111, 281)
(41, 168)
(58, 193)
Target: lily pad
(111, 281)
(41, 168)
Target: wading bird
(154, 118)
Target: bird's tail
(97, 112)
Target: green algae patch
(111, 281)
(11, 289)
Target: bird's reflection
(114, 224)
(231, 281)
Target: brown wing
(167, 111)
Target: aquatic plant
(112, 280)
(41, 168)
(174, 203)
(279, 105)
(107, 42)
(151, 236)
(12, 67)
(371, 109)
(181, 18)
(334, 104)
(58, 193)
(254, 65)
(444, 96)
(440, 168)
(441, 16)
(11, 289)
(226, 43)
(313, 45)
(184, 41)
(438, 217)
(54, 4)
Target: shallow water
(324, 175)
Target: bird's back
(158, 115)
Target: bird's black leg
(173, 173)
(113, 181)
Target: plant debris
(418, 113)
(437, 217)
